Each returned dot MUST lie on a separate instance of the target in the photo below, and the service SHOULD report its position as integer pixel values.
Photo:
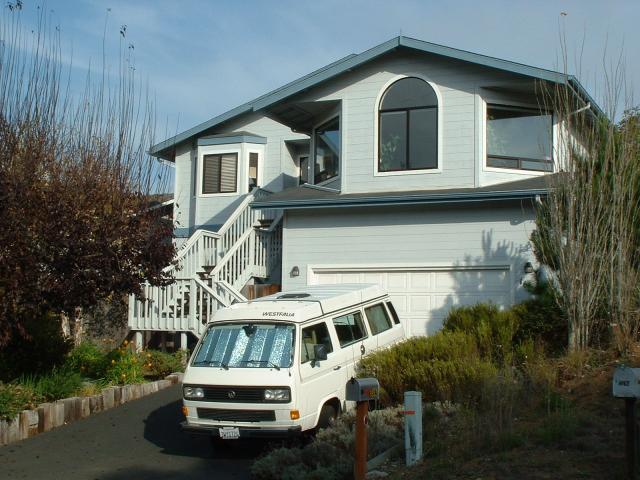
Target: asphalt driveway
(138, 440)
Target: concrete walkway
(138, 440)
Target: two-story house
(411, 165)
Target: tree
(75, 181)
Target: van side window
(378, 319)
(317, 334)
(349, 328)
(392, 309)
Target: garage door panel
(423, 298)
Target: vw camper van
(278, 366)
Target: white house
(411, 165)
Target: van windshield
(246, 345)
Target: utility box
(363, 389)
(626, 382)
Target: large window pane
(304, 170)
(378, 319)
(393, 141)
(327, 150)
(311, 336)
(409, 93)
(220, 173)
(423, 138)
(519, 134)
(349, 328)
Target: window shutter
(211, 174)
(228, 171)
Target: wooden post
(630, 404)
(360, 466)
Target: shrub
(88, 360)
(445, 366)
(59, 383)
(330, 454)
(157, 364)
(15, 398)
(493, 329)
(124, 366)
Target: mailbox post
(361, 390)
(626, 384)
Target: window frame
(331, 339)
(439, 108)
(515, 105)
(259, 167)
(312, 148)
(390, 323)
(300, 157)
(219, 150)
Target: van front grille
(223, 415)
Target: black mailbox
(363, 389)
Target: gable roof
(311, 196)
(163, 149)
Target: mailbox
(363, 389)
(626, 382)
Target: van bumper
(245, 432)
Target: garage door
(424, 297)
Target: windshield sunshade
(247, 345)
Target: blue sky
(201, 58)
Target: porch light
(295, 271)
(528, 268)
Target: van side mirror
(319, 352)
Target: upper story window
(219, 173)
(253, 170)
(519, 138)
(408, 127)
(303, 176)
(326, 142)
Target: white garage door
(424, 297)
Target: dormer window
(408, 127)
(519, 138)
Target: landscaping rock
(162, 384)
(69, 409)
(32, 422)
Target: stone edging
(48, 416)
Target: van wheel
(328, 415)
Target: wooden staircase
(210, 270)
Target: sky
(200, 58)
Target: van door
(353, 338)
(319, 378)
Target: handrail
(232, 291)
(234, 216)
(184, 249)
(210, 291)
(222, 262)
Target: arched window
(408, 127)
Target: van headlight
(193, 392)
(277, 395)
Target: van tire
(328, 414)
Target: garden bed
(50, 415)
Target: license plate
(230, 433)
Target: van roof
(301, 304)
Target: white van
(278, 366)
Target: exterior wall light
(295, 271)
(528, 268)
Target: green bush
(40, 348)
(124, 366)
(157, 364)
(15, 398)
(445, 366)
(59, 383)
(88, 360)
(494, 330)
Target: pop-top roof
(301, 304)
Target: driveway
(138, 440)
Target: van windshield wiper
(271, 364)
(211, 363)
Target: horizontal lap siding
(463, 236)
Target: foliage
(330, 454)
(124, 366)
(157, 364)
(445, 366)
(75, 181)
(88, 360)
(493, 329)
(14, 398)
(41, 348)
(59, 383)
